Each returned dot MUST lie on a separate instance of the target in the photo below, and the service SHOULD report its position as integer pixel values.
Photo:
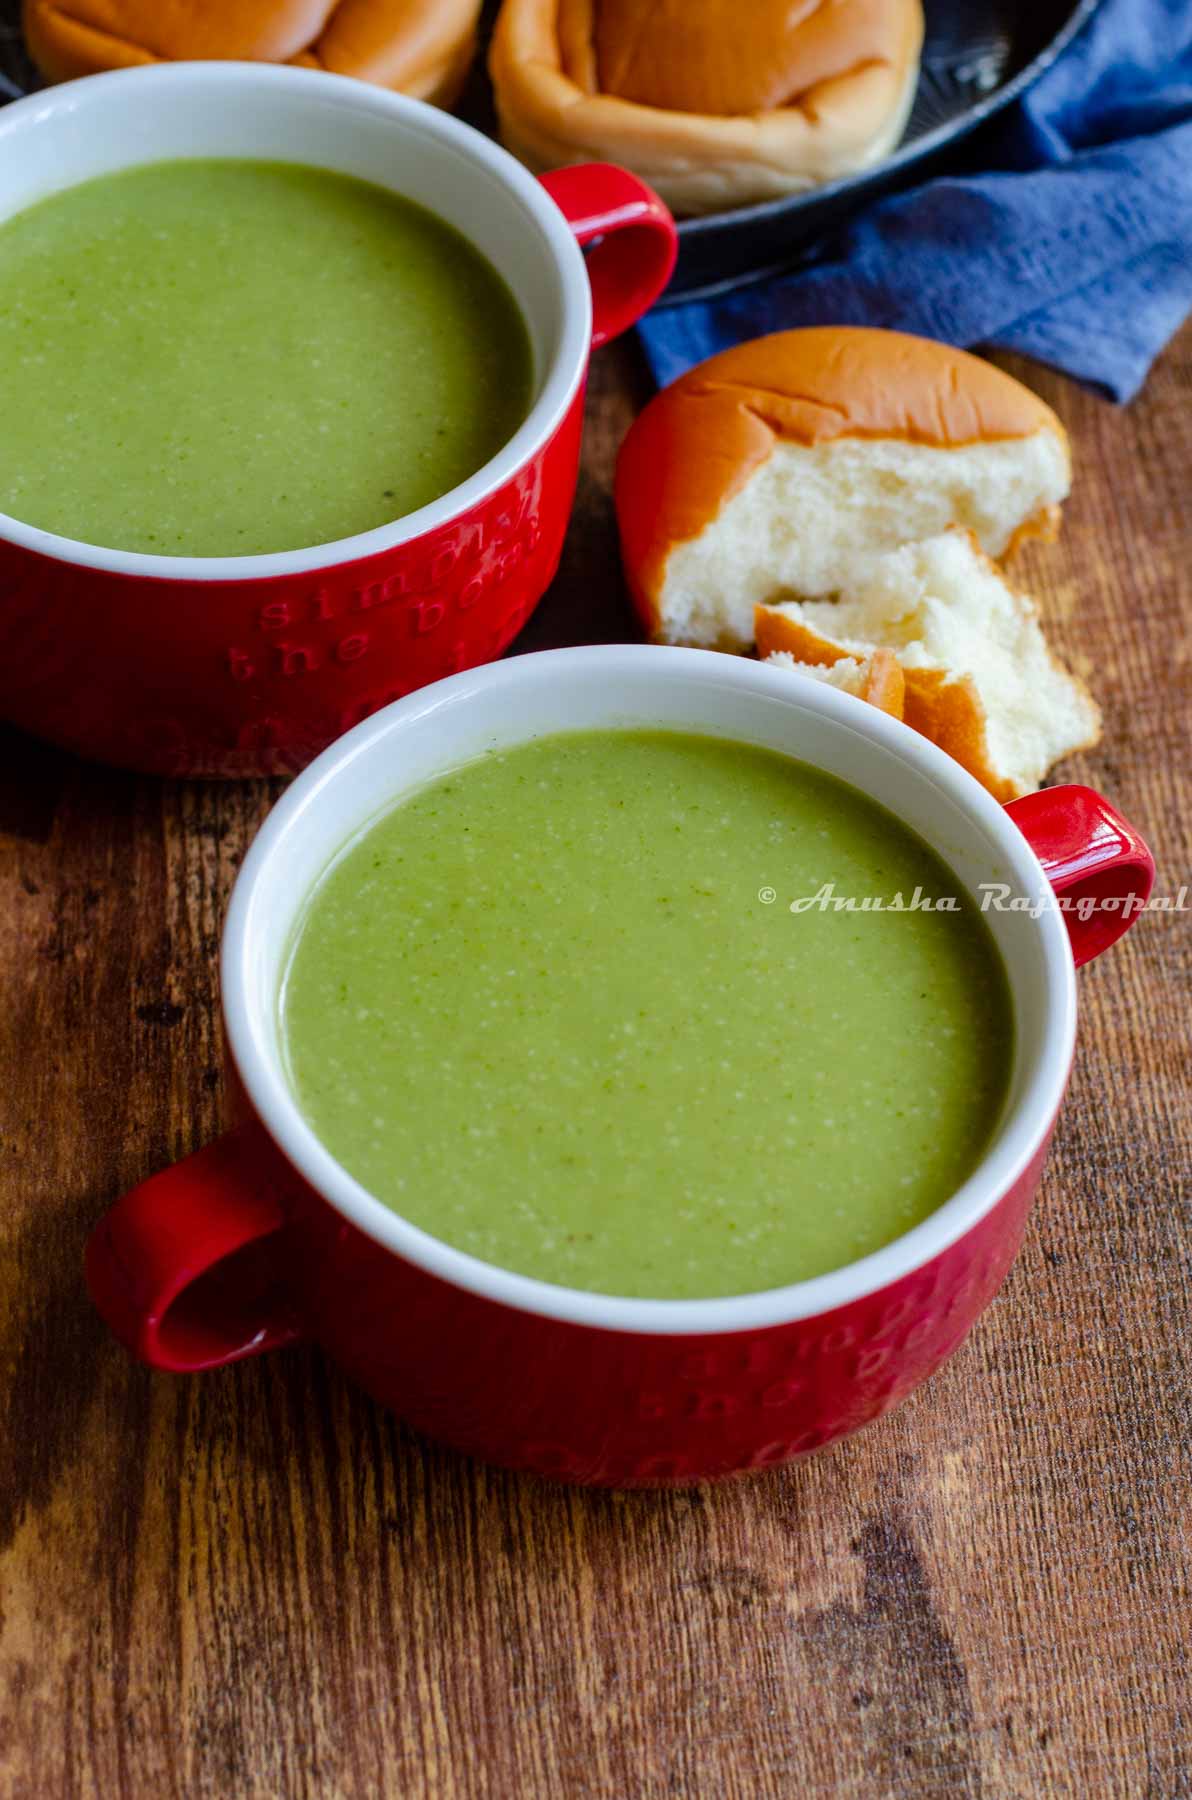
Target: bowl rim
(559, 382)
(1017, 1143)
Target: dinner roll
(784, 465)
(713, 103)
(979, 678)
(877, 678)
(420, 47)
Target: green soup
(556, 1009)
(220, 358)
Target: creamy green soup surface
(225, 357)
(547, 1009)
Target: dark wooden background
(256, 1584)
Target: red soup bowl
(245, 665)
(263, 1238)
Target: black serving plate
(978, 56)
(17, 74)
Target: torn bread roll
(418, 47)
(877, 678)
(784, 465)
(980, 679)
(714, 104)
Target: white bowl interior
(453, 721)
(84, 129)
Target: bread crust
(885, 684)
(715, 106)
(698, 441)
(419, 47)
(881, 678)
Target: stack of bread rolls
(713, 103)
(841, 498)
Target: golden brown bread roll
(420, 47)
(837, 495)
(782, 465)
(713, 103)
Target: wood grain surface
(257, 1584)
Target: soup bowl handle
(1099, 866)
(632, 237)
(185, 1269)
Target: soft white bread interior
(980, 679)
(813, 519)
(877, 678)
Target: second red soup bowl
(251, 665)
(263, 1238)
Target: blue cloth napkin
(1074, 245)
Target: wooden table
(258, 1584)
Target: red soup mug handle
(1095, 860)
(184, 1268)
(632, 236)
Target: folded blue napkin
(1073, 245)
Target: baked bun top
(699, 441)
(718, 58)
(715, 103)
(422, 47)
